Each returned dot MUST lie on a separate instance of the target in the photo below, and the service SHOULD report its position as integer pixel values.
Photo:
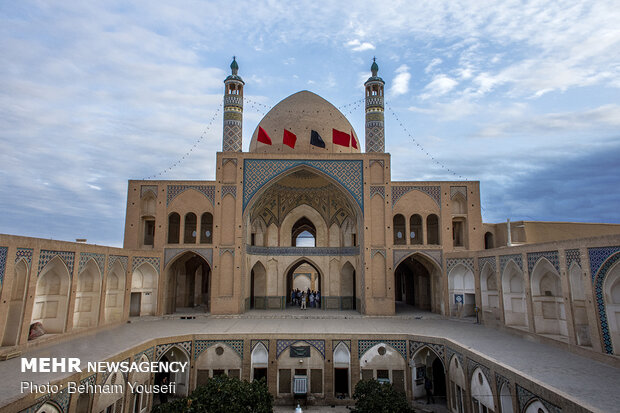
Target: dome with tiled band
(301, 113)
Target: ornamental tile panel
(482, 261)
(473, 365)
(46, 256)
(258, 172)
(112, 259)
(264, 342)
(172, 191)
(4, 251)
(161, 349)
(229, 189)
(599, 282)
(148, 188)
(453, 262)
(225, 250)
(598, 257)
(25, 253)
(149, 352)
(226, 160)
(86, 256)
(450, 353)
(534, 257)
(399, 345)
(377, 251)
(201, 345)
(414, 346)
(399, 190)
(500, 381)
(282, 345)
(335, 344)
(524, 397)
(504, 259)
(138, 261)
(573, 256)
(377, 190)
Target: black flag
(315, 139)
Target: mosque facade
(305, 208)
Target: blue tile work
(400, 190)
(534, 257)
(473, 365)
(525, 397)
(377, 251)
(487, 260)
(60, 400)
(46, 256)
(138, 261)
(148, 353)
(202, 345)
(450, 353)
(335, 344)
(572, 256)
(302, 251)
(377, 190)
(504, 259)
(401, 254)
(598, 257)
(4, 251)
(161, 349)
(120, 258)
(25, 253)
(438, 349)
(399, 345)
(229, 189)
(99, 259)
(225, 250)
(282, 345)
(453, 262)
(599, 282)
(264, 342)
(500, 381)
(258, 172)
(172, 191)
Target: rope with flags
(189, 152)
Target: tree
(223, 394)
(374, 397)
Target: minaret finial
(234, 66)
(375, 67)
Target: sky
(523, 96)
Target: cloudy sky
(523, 96)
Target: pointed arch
(258, 286)
(115, 293)
(513, 295)
(547, 300)
(17, 303)
(462, 290)
(88, 296)
(348, 286)
(312, 215)
(50, 407)
(144, 287)
(187, 282)
(611, 298)
(458, 385)
(52, 296)
(481, 393)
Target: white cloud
(400, 83)
(358, 46)
(436, 61)
(439, 86)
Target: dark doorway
(252, 303)
(412, 285)
(341, 383)
(188, 287)
(134, 306)
(260, 373)
(290, 282)
(439, 380)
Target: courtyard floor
(592, 384)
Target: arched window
(432, 229)
(458, 232)
(206, 228)
(174, 228)
(190, 228)
(488, 241)
(399, 230)
(304, 233)
(415, 229)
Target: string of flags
(290, 139)
(189, 152)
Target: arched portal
(181, 377)
(303, 276)
(427, 364)
(416, 284)
(258, 286)
(188, 284)
(348, 294)
(15, 317)
(52, 297)
(342, 371)
(259, 362)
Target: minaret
(375, 129)
(233, 110)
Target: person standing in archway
(428, 386)
(303, 300)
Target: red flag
(263, 137)
(341, 138)
(289, 138)
(353, 140)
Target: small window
(399, 230)
(206, 228)
(174, 227)
(190, 228)
(432, 229)
(149, 232)
(415, 228)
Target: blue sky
(523, 96)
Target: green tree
(374, 397)
(223, 394)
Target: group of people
(303, 299)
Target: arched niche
(535, 406)
(87, 296)
(52, 296)
(111, 401)
(49, 407)
(489, 292)
(181, 378)
(399, 229)
(481, 393)
(258, 286)
(144, 282)
(505, 399)
(342, 371)
(348, 287)
(457, 385)
(384, 363)
(259, 361)
(547, 300)
(218, 359)
(15, 317)
(426, 363)
(115, 293)
(513, 291)
(611, 297)
(305, 368)
(312, 215)
(417, 284)
(462, 290)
